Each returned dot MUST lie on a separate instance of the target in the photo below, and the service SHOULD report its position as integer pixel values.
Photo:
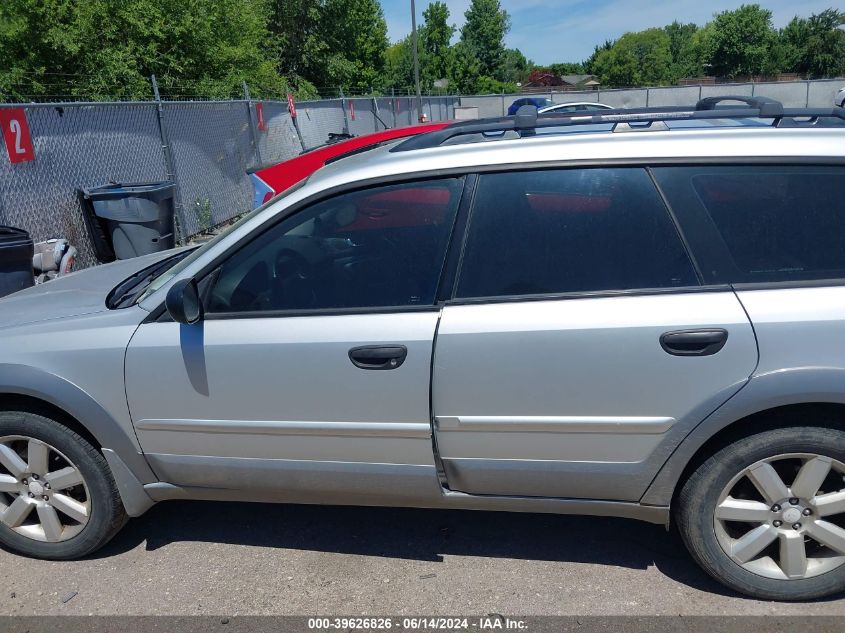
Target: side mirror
(183, 302)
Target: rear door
(579, 346)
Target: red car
(273, 180)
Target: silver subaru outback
(631, 313)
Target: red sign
(352, 110)
(291, 106)
(16, 135)
(259, 113)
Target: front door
(310, 373)
(579, 347)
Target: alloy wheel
(784, 517)
(43, 495)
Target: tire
(740, 468)
(38, 535)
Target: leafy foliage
(484, 32)
(435, 38)
(636, 59)
(684, 50)
(98, 49)
(815, 47)
(107, 49)
(740, 43)
(331, 43)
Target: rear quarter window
(772, 223)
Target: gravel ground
(232, 559)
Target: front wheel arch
(40, 388)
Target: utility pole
(416, 60)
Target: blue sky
(567, 30)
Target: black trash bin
(137, 218)
(16, 252)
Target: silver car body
(592, 419)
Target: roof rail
(767, 107)
(527, 121)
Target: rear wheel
(58, 499)
(766, 514)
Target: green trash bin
(137, 218)
(16, 251)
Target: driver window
(381, 247)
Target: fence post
(169, 165)
(393, 106)
(376, 116)
(343, 107)
(700, 91)
(807, 102)
(252, 131)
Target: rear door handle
(378, 356)
(694, 342)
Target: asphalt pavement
(229, 559)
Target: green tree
(589, 63)
(683, 50)
(567, 68)
(106, 49)
(299, 45)
(635, 59)
(434, 42)
(741, 43)
(483, 36)
(517, 67)
(464, 69)
(815, 47)
(399, 65)
(356, 35)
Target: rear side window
(570, 230)
(772, 223)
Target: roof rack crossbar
(767, 107)
(525, 124)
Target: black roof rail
(767, 107)
(527, 121)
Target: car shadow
(425, 535)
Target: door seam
(438, 461)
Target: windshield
(164, 276)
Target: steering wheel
(293, 284)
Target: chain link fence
(793, 94)
(207, 147)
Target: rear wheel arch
(820, 414)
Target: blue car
(540, 102)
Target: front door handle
(694, 342)
(378, 356)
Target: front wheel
(58, 499)
(766, 514)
